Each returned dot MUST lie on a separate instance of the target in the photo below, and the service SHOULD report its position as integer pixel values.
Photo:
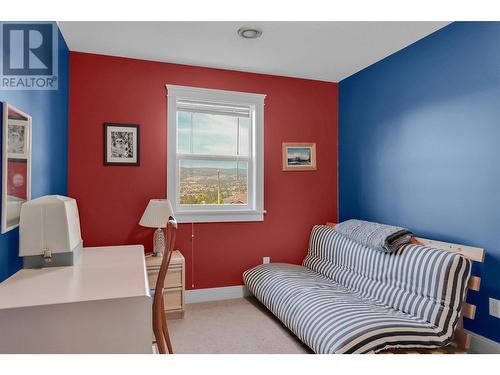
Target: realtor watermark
(29, 57)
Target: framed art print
(16, 164)
(17, 138)
(121, 144)
(299, 156)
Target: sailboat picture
(299, 156)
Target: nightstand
(174, 282)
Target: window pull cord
(192, 255)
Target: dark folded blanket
(382, 237)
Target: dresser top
(177, 258)
(100, 273)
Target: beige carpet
(235, 326)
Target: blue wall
(419, 146)
(49, 110)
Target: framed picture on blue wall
(17, 139)
(16, 164)
(121, 144)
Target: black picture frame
(133, 129)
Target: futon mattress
(349, 298)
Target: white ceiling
(328, 51)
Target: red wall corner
(111, 199)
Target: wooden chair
(461, 340)
(160, 328)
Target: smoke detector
(249, 32)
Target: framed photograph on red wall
(121, 144)
(299, 156)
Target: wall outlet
(495, 307)
(266, 260)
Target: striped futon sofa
(349, 298)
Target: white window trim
(204, 214)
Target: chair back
(159, 320)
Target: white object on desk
(49, 232)
(101, 304)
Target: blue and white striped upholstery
(348, 298)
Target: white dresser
(100, 305)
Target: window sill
(218, 217)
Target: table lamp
(156, 216)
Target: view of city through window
(213, 182)
(213, 152)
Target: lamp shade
(157, 214)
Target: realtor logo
(29, 56)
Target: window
(215, 154)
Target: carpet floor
(236, 326)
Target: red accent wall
(111, 199)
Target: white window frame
(199, 213)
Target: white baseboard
(216, 294)
(482, 345)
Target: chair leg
(167, 338)
(164, 328)
(157, 330)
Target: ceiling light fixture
(249, 32)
